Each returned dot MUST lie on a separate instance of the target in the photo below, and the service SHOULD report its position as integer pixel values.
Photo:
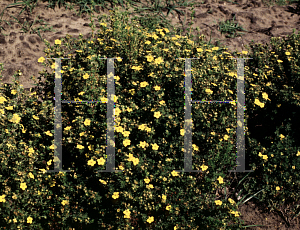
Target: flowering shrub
(149, 134)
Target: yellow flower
(164, 197)
(102, 181)
(150, 186)
(101, 161)
(85, 76)
(35, 117)
(9, 107)
(168, 207)
(218, 202)
(143, 84)
(15, 119)
(203, 167)
(277, 188)
(115, 195)
(119, 129)
(117, 111)
(155, 147)
(80, 147)
(64, 202)
(23, 186)
(126, 142)
(150, 219)
(127, 213)
(143, 144)
(126, 133)
(236, 213)
(279, 61)
(57, 42)
(147, 42)
(147, 181)
(2, 198)
(162, 102)
(30, 150)
(43, 170)
(87, 122)
(104, 100)
(182, 132)
(195, 147)
(231, 201)
(137, 67)
(257, 102)
(48, 133)
(230, 91)
(174, 173)
(208, 91)
(29, 220)
(41, 59)
(199, 50)
(2, 100)
(298, 153)
(281, 136)
(265, 157)
(220, 179)
(132, 91)
(142, 127)
(157, 88)
(15, 220)
(52, 146)
(287, 53)
(244, 52)
(265, 96)
(135, 161)
(121, 167)
(157, 114)
(130, 157)
(67, 128)
(91, 162)
(158, 60)
(226, 137)
(149, 58)
(81, 134)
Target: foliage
(149, 113)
